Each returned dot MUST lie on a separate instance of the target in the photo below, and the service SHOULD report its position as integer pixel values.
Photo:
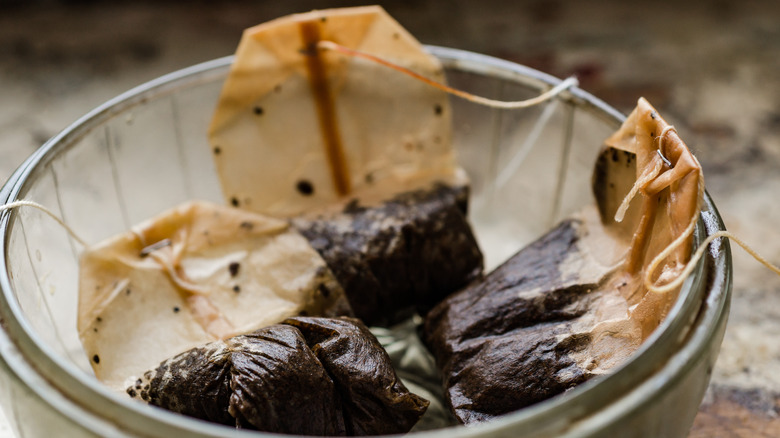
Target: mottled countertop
(711, 67)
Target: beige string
(646, 177)
(667, 129)
(640, 183)
(695, 259)
(164, 262)
(206, 314)
(549, 94)
(26, 203)
(702, 247)
(651, 268)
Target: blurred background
(712, 68)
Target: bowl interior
(146, 151)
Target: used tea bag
(298, 128)
(308, 376)
(661, 222)
(575, 303)
(194, 274)
(359, 155)
(402, 256)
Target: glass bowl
(146, 150)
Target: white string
(26, 203)
(549, 94)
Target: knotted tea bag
(194, 274)
(575, 303)
(307, 376)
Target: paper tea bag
(574, 304)
(671, 184)
(194, 274)
(298, 128)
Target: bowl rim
(87, 402)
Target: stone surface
(711, 67)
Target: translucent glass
(146, 151)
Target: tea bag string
(648, 176)
(676, 243)
(689, 267)
(643, 181)
(205, 313)
(695, 259)
(27, 203)
(549, 94)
